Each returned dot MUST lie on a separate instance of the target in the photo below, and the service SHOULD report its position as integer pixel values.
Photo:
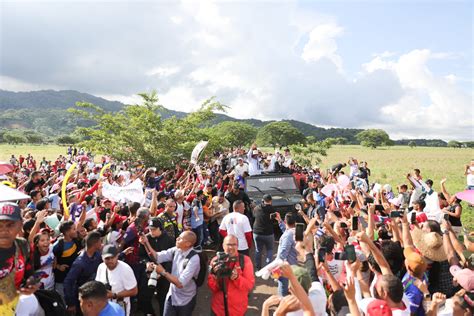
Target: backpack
(203, 264)
(51, 302)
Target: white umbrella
(9, 194)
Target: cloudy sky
(404, 66)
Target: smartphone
(355, 223)
(368, 200)
(350, 252)
(379, 207)
(273, 216)
(321, 254)
(363, 222)
(340, 256)
(299, 230)
(413, 218)
(394, 214)
(353, 204)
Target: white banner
(129, 193)
(197, 151)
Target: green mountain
(45, 112)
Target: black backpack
(203, 264)
(51, 302)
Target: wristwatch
(114, 296)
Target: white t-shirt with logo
(120, 279)
(46, 266)
(237, 224)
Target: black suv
(281, 186)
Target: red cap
(378, 308)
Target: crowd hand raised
(289, 303)
(272, 301)
(41, 215)
(349, 289)
(438, 298)
(286, 270)
(362, 236)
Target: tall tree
(373, 138)
(139, 132)
(233, 134)
(279, 134)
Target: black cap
(10, 212)
(109, 251)
(155, 222)
(267, 197)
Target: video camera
(221, 267)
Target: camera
(108, 287)
(221, 266)
(153, 280)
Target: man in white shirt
(237, 224)
(118, 277)
(241, 168)
(252, 156)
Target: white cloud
(163, 71)
(16, 85)
(322, 44)
(429, 102)
(265, 60)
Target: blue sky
(404, 66)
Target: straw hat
(429, 244)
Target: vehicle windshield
(266, 184)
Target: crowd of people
(129, 239)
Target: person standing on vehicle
(263, 230)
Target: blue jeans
(184, 310)
(263, 241)
(283, 287)
(199, 231)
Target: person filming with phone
(230, 280)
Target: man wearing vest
(168, 217)
(181, 297)
(233, 272)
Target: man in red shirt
(235, 274)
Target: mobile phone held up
(355, 223)
(394, 214)
(273, 216)
(321, 254)
(299, 230)
(350, 253)
(413, 218)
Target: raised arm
(378, 256)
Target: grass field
(387, 165)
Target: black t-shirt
(263, 225)
(364, 172)
(455, 221)
(231, 197)
(30, 186)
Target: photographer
(157, 240)
(230, 280)
(118, 278)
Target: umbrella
(466, 195)
(5, 167)
(9, 194)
